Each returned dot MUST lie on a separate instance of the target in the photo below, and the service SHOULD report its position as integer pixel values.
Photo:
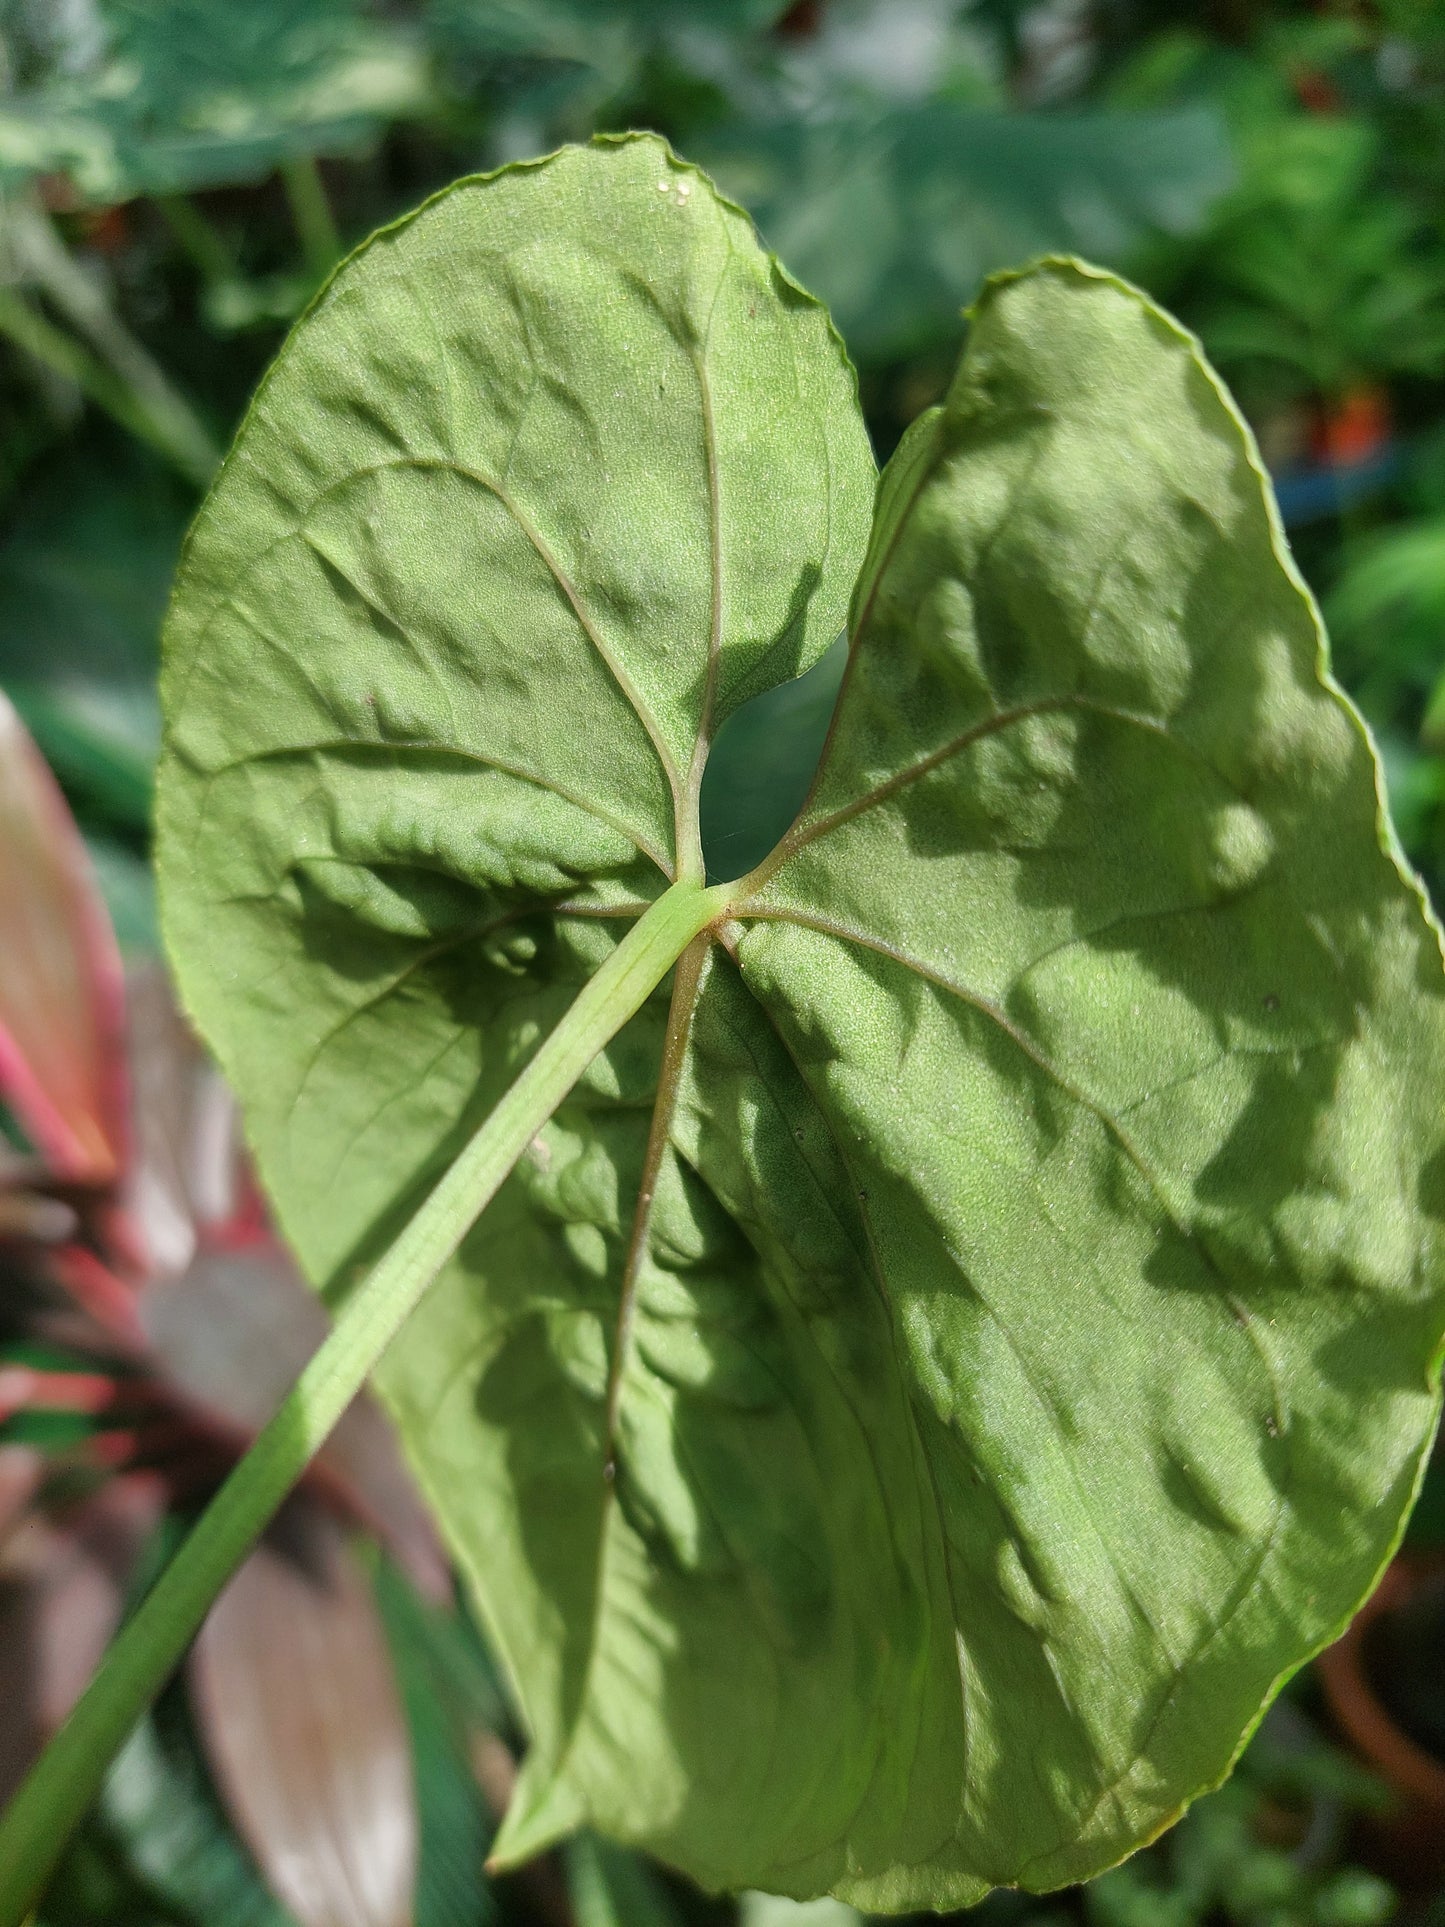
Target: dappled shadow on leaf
(1431, 1192)
(733, 1562)
(704, 1375)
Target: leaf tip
(545, 1808)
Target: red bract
(132, 1237)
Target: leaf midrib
(686, 990)
(689, 848)
(569, 591)
(806, 830)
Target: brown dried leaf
(61, 1589)
(62, 1063)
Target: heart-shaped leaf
(928, 1384)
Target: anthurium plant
(958, 1312)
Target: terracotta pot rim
(1357, 1708)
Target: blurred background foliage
(177, 177)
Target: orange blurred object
(1410, 1840)
(1353, 428)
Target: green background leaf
(895, 214)
(906, 1456)
(148, 98)
(85, 567)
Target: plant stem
(198, 237)
(167, 419)
(63, 355)
(311, 212)
(57, 1793)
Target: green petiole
(311, 212)
(41, 1817)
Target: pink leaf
(186, 1171)
(22, 1473)
(227, 1315)
(303, 1723)
(232, 1337)
(61, 1587)
(62, 1062)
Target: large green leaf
(926, 1386)
(165, 96)
(896, 213)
